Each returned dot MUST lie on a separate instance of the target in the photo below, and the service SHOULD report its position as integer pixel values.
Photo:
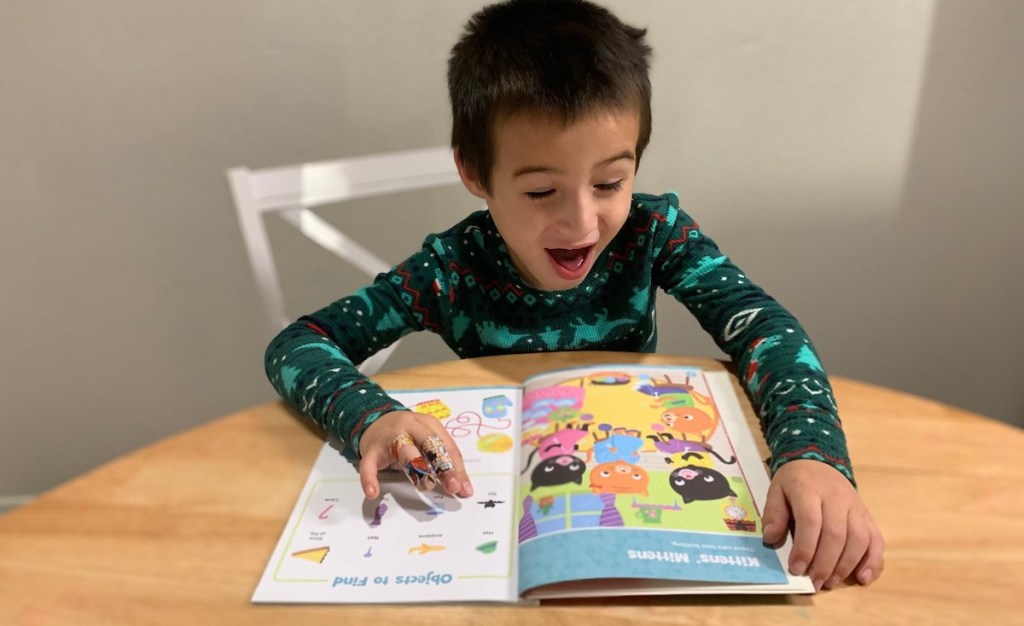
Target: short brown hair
(558, 57)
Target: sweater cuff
(353, 412)
(802, 432)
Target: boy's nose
(578, 218)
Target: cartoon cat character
(558, 470)
(619, 477)
(699, 483)
(690, 422)
(562, 441)
(687, 450)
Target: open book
(597, 481)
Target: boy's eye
(617, 185)
(539, 195)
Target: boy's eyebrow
(533, 169)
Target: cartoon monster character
(671, 395)
(560, 442)
(691, 422)
(687, 450)
(618, 477)
(667, 388)
(699, 483)
(558, 470)
(621, 446)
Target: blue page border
(670, 555)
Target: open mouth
(570, 263)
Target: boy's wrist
(775, 463)
(360, 428)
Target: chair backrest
(291, 191)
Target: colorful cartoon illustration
(496, 406)
(694, 483)
(561, 443)
(540, 404)
(690, 452)
(573, 510)
(495, 443)
(618, 477)
(378, 513)
(435, 408)
(690, 422)
(621, 446)
(558, 470)
(488, 547)
(314, 555)
(426, 548)
(737, 517)
(630, 456)
(545, 503)
(651, 513)
(609, 378)
(564, 441)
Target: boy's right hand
(375, 450)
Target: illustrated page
(408, 546)
(639, 472)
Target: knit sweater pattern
(463, 286)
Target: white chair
(291, 191)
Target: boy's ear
(469, 178)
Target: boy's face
(559, 194)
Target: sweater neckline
(597, 276)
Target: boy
(551, 114)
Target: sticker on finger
(409, 458)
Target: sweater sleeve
(312, 363)
(775, 360)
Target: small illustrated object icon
(488, 547)
(314, 555)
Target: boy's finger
(368, 476)
(872, 564)
(857, 539)
(831, 543)
(775, 520)
(454, 478)
(807, 516)
(407, 454)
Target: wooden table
(180, 531)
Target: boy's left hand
(834, 535)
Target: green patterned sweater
(463, 286)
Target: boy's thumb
(368, 477)
(776, 517)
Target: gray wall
(860, 160)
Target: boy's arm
(775, 360)
(835, 535)
(312, 362)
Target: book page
(408, 546)
(641, 472)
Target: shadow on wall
(928, 300)
(962, 214)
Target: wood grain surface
(179, 532)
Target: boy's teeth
(569, 259)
